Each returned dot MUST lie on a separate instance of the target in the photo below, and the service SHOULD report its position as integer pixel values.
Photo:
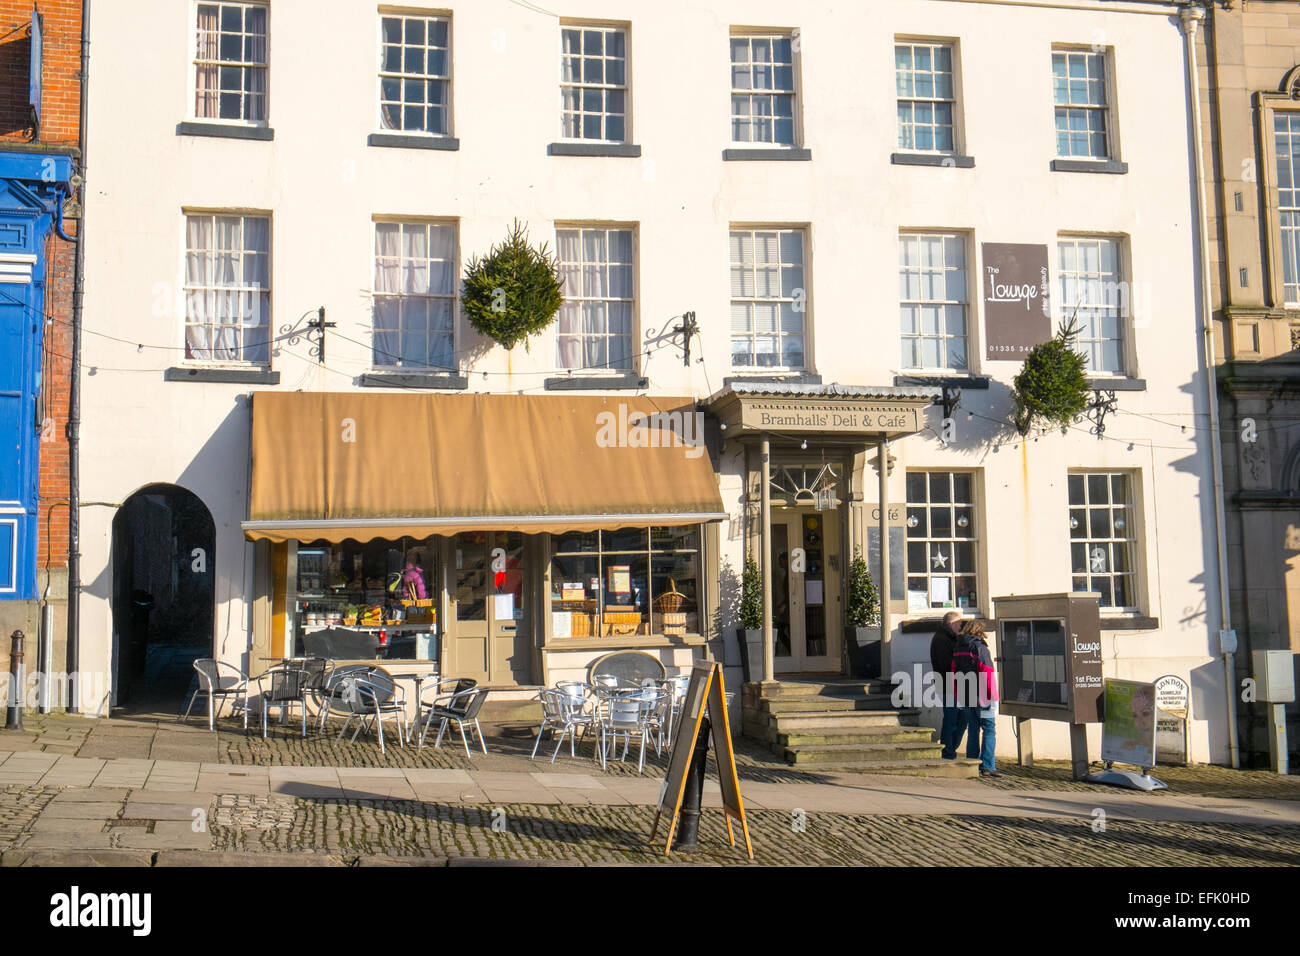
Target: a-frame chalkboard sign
(704, 695)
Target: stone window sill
(407, 379)
(945, 381)
(949, 160)
(224, 131)
(629, 382)
(235, 376)
(1089, 166)
(408, 141)
(627, 150)
(776, 154)
(1118, 384)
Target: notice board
(1017, 306)
(704, 695)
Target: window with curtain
(227, 288)
(230, 62)
(593, 84)
(415, 74)
(415, 295)
(1079, 91)
(762, 89)
(926, 100)
(1286, 138)
(932, 301)
(1090, 293)
(768, 298)
(941, 541)
(1103, 537)
(594, 329)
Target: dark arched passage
(163, 597)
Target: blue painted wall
(31, 187)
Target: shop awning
(339, 466)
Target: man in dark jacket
(941, 648)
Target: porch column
(882, 452)
(765, 521)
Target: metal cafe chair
(440, 690)
(219, 681)
(370, 697)
(288, 683)
(460, 708)
(629, 714)
(564, 709)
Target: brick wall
(61, 62)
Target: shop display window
(385, 589)
(626, 582)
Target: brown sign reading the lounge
(1017, 308)
(829, 416)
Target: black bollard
(688, 830)
(14, 715)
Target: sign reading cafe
(1017, 306)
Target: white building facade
(827, 192)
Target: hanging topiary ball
(1052, 387)
(514, 291)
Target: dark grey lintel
(629, 150)
(776, 154)
(223, 131)
(932, 159)
(443, 380)
(1129, 623)
(807, 379)
(945, 381)
(1118, 384)
(1089, 166)
(630, 381)
(400, 141)
(236, 376)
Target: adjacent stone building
(1250, 100)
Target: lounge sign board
(1017, 304)
(840, 416)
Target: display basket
(671, 600)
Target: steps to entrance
(843, 724)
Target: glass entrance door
(490, 636)
(806, 591)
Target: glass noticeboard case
(1049, 665)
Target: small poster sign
(1017, 306)
(1128, 733)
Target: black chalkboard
(704, 694)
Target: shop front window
(626, 582)
(381, 591)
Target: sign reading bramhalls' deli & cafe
(804, 416)
(1017, 306)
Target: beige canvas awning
(335, 466)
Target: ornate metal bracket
(313, 330)
(951, 400)
(687, 328)
(1102, 404)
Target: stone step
(781, 705)
(854, 752)
(816, 719)
(960, 768)
(852, 735)
(831, 688)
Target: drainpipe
(765, 539)
(74, 391)
(1191, 18)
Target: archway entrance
(163, 595)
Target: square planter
(751, 653)
(864, 651)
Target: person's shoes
(990, 773)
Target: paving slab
(225, 859)
(376, 788)
(82, 811)
(49, 824)
(138, 810)
(63, 840)
(422, 775)
(76, 858)
(187, 798)
(449, 794)
(584, 781)
(224, 783)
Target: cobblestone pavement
(19, 806)
(1201, 780)
(604, 834)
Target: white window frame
(185, 287)
(193, 111)
(1130, 542)
(1114, 299)
(794, 92)
(626, 87)
(429, 16)
(800, 296)
(1106, 109)
(1288, 250)
(454, 298)
(932, 44)
(945, 546)
(633, 332)
(944, 304)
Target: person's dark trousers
(988, 741)
(970, 720)
(950, 730)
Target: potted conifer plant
(862, 620)
(750, 635)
